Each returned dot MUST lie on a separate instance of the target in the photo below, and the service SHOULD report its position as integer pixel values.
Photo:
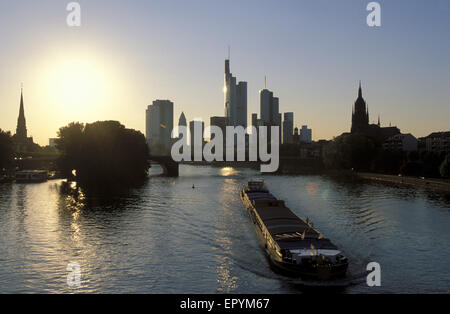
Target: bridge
(169, 166)
(37, 161)
(49, 162)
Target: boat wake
(351, 279)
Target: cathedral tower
(360, 114)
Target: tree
(413, 156)
(445, 167)
(411, 168)
(6, 149)
(349, 151)
(103, 153)
(412, 165)
(289, 150)
(431, 164)
(388, 161)
(70, 144)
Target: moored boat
(31, 176)
(293, 246)
(6, 179)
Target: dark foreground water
(167, 237)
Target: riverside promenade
(432, 184)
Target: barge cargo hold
(292, 245)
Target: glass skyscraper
(235, 98)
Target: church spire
(360, 114)
(182, 120)
(21, 130)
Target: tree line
(6, 149)
(102, 154)
(362, 153)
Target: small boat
(292, 245)
(6, 179)
(31, 176)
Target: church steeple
(359, 90)
(360, 114)
(21, 130)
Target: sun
(77, 82)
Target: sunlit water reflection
(170, 237)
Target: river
(168, 237)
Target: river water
(167, 237)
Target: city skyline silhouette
(118, 62)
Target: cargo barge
(292, 245)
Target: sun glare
(77, 82)
(80, 85)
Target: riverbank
(235, 164)
(432, 184)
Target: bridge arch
(169, 166)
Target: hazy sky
(128, 53)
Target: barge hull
(294, 247)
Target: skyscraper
(182, 120)
(235, 99)
(254, 119)
(296, 137)
(265, 110)
(182, 123)
(269, 107)
(305, 134)
(288, 127)
(159, 125)
(196, 127)
(220, 122)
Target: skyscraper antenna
(265, 82)
(229, 52)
